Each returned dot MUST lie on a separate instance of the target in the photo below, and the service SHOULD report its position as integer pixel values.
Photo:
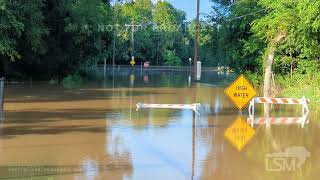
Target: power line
(235, 3)
(239, 17)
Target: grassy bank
(297, 86)
(300, 85)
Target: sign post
(240, 92)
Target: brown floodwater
(94, 132)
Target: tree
(292, 23)
(168, 33)
(231, 40)
(21, 25)
(88, 24)
(159, 30)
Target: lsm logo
(291, 159)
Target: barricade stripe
(296, 101)
(263, 100)
(280, 100)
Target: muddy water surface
(95, 132)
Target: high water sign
(240, 92)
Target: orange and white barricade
(195, 107)
(280, 120)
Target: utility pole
(132, 25)
(114, 50)
(1, 97)
(132, 41)
(196, 37)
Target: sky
(190, 7)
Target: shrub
(171, 58)
(255, 78)
(72, 81)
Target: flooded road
(95, 132)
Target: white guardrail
(279, 120)
(194, 107)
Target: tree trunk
(267, 79)
(268, 70)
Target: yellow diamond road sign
(239, 133)
(240, 92)
(132, 62)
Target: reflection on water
(94, 132)
(1, 115)
(301, 121)
(239, 133)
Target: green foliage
(72, 81)
(298, 21)
(308, 67)
(52, 38)
(247, 29)
(255, 78)
(231, 39)
(88, 24)
(167, 17)
(160, 30)
(300, 85)
(21, 27)
(171, 58)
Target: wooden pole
(1, 97)
(104, 68)
(196, 37)
(132, 42)
(114, 51)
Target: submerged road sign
(239, 133)
(240, 92)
